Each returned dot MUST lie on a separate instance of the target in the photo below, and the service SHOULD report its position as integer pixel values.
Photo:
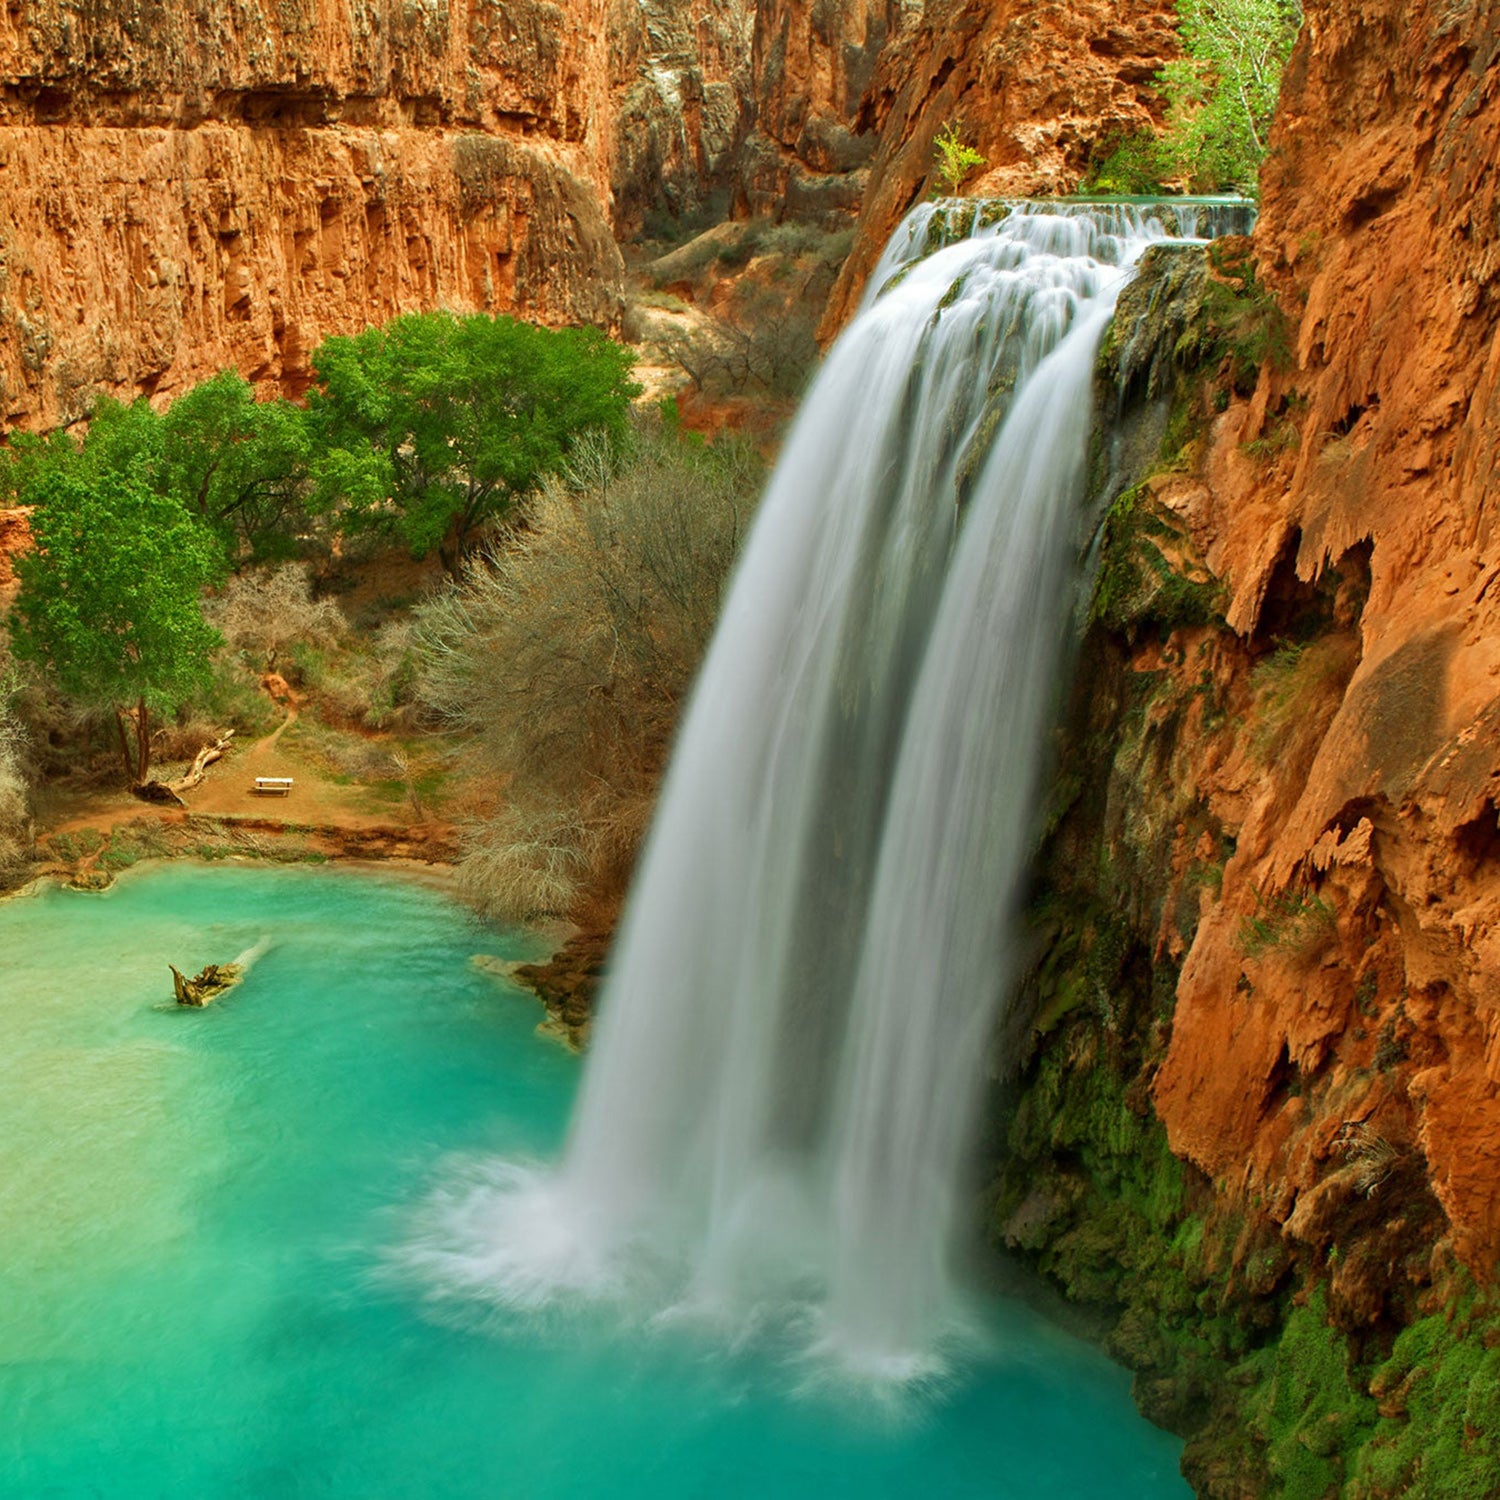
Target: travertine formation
(1371, 461)
(1037, 86)
(184, 190)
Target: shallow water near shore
(198, 1211)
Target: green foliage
(1445, 1439)
(1309, 1412)
(240, 464)
(237, 464)
(1138, 583)
(1292, 921)
(1133, 166)
(954, 158)
(1242, 322)
(1221, 96)
(109, 601)
(15, 799)
(436, 424)
(1219, 101)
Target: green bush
(1219, 99)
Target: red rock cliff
(1381, 237)
(184, 190)
(1035, 85)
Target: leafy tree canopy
(1220, 98)
(238, 464)
(109, 601)
(435, 424)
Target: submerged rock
(206, 986)
(564, 985)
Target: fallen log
(157, 791)
(170, 792)
(193, 776)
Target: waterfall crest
(773, 1123)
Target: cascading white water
(774, 1118)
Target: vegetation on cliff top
(1219, 98)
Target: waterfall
(774, 1119)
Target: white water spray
(774, 1119)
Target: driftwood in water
(207, 986)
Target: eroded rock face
(1037, 86)
(682, 105)
(814, 61)
(184, 191)
(1363, 511)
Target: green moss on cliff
(1439, 1391)
(1143, 578)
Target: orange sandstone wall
(1035, 85)
(183, 190)
(1381, 236)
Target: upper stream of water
(199, 1211)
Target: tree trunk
(142, 741)
(124, 746)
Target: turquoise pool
(198, 1212)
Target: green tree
(954, 158)
(109, 600)
(240, 464)
(1221, 97)
(435, 424)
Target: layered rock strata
(183, 191)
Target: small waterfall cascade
(774, 1121)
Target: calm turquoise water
(196, 1209)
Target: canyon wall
(1036, 86)
(1256, 1123)
(1349, 509)
(182, 191)
(683, 82)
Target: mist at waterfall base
(196, 1209)
(771, 1139)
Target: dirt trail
(316, 802)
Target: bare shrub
(764, 339)
(263, 611)
(367, 681)
(567, 651)
(762, 286)
(1373, 1157)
